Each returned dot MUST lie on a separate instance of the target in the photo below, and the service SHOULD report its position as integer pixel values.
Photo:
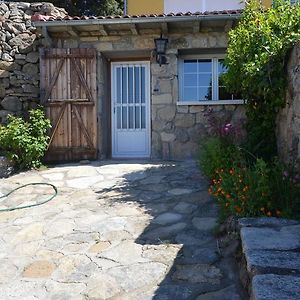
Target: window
(201, 81)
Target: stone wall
(176, 130)
(19, 56)
(288, 121)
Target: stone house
(147, 104)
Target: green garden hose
(31, 205)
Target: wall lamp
(160, 49)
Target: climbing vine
(256, 60)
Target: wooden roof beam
(134, 29)
(103, 30)
(164, 28)
(47, 39)
(228, 25)
(72, 31)
(196, 26)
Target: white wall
(211, 5)
(200, 5)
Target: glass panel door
(131, 117)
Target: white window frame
(215, 82)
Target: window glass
(131, 117)
(137, 85)
(130, 85)
(124, 85)
(190, 80)
(203, 80)
(190, 66)
(137, 117)
(143, 86)
(223, 93)
(118, 85)
(205, 93)
(119, 117)
(124, 117)
(143, 118)
(190, 94)
(205, 66)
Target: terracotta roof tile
(39, 17)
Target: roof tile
(38, 17)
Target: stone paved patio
(116, 230)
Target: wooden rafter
(196, 27)
(164, 28)
(134, 30)
(103, 30)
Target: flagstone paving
(116, 230)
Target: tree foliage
(90, 7)
(256, 60)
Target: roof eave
(137, 20)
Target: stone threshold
(270, 258)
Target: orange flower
(228, 196)
(269, 214)
(278, 212)
(246, 188)
(210, 190)
(238, 209)
(231, 171)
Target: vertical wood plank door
(69, 93)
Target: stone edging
(271, 258)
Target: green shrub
(256, 61)
(258, 189)
(217, 153)
(24, 142)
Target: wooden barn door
(68, 91)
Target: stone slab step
(275, 287)
(271, 248)
(275, 262)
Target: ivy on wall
(256, 60)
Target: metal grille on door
(130, 97)
(131, 101)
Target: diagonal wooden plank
(53, 81)
(85, 131)
(82, 78)
(57, 122)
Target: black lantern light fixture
(160, 48)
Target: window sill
(218, 102)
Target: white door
(130, 89)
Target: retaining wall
(19, 56)
(288, 121)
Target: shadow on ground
(182, 220)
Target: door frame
(148, 106)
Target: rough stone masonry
(19, 56)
